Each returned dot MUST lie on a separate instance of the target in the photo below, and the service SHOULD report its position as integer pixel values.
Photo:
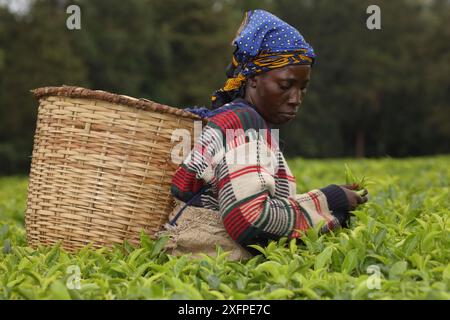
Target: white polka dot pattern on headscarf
(265, 32)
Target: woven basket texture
(101, 167)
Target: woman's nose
(295, 98)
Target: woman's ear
(251, 81)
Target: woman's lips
(289, 114)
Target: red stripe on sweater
(300, 221)
(252, 211)
(180, 179)
(245, 170)
(182, 175)
(186, 181)
(233, 218)
(240, 223)
(319, 209)
(269, 139)
(248, 169)
(227, 222)
(284, 175)
(227, 120)
(294, 233)
(222, 182)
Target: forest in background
(373, 93)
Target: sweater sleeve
(252, 214)
(195, 174)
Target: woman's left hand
(353, 186)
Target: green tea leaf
(397, 269)
(323, 258)
(278, 294)
(350, 261)
(58, 291)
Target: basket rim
(84, 93)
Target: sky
(16, 6)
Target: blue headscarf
(262, 43)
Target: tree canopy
(373, 92)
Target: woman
(238, 203)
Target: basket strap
(173, 222)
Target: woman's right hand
(353, 198)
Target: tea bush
(397, 247)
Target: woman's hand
(353, 198)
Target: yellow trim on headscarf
(234, 62)
(280, 60)
(234, 83)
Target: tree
(437, 77)
(36, 52)
(368, 81)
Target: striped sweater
(240, 171)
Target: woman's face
(278, 93)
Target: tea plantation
(397, 247)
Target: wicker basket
(101, 167)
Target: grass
(397, 247)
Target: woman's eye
(283, 87)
